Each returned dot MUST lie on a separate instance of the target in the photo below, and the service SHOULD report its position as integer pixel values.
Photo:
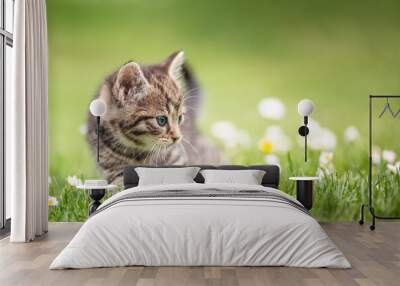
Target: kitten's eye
(162, 120)
(180, 119)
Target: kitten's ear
(131, 84)
(174, 65)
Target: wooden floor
(375, 257)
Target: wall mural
(216, 82)
(151, 119)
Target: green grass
(73, 203)
(338, 196)
(333, 52)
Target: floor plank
(375, 257)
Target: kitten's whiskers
(158, 153)
(165, 153)
(149, 155)
(184, 150)
(190, 144)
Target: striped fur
(130, 134)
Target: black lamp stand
(303, 131)
(96, 194)
(98, 138)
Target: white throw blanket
(244, 225)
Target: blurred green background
(333, 52)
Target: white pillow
(163, 176)
(248, 177)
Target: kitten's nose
(175, 138)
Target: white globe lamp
(98, 107)
(305, 107)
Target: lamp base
(96, 195)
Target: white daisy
(376, 155)
(319, 138)
(224, 130)
(394, 168)
(325, 158)
(243, 138)
(351, 134)
(74, 181)
(230, 135)
(326, 166)
(52, 201)
(271, 159)
(278, 139)
(83, 129)
(389, 156)
(271, 108)
(328, 139)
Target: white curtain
(26, 123)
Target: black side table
(304, 190)
(96, 194)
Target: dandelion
(271, 159)
(271, 108)
(351, 134)
(389, 156)
(376, 155)
(83, 129)
(74, 181)
(52, 201)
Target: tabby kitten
(150, 119)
